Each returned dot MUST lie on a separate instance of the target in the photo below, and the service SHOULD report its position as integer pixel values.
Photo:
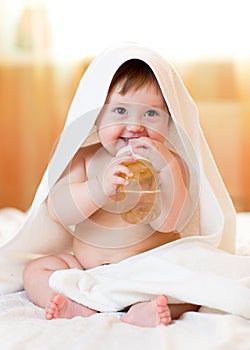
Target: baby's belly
(101, 233)
(97, 244)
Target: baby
(136, 114)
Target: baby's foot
(150, 313)
(62, 307)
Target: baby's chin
(113, 149)
(116, 146)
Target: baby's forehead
(147, 94)
(127, 85)
(119, 89)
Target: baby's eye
(151, 113)
(120, 110)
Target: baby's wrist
(96, 192)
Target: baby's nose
(135, 128)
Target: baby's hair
(133, 74)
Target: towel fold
(189, 271)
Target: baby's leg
(36, 283)
(150, 313)
(38, 271)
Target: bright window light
(179, 29)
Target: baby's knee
(50, 264)
(40, 269)
(32, 267)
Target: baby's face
(140, 113)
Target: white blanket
(23, 325)
(187, 271)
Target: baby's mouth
(127, 139)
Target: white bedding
(23, 326)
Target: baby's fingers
(122, 172)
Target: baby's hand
(116, 174)
(156, 152)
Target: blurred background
(46, 45)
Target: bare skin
(149, 313)
(62, 307)
(144, 314)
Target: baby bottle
(139, 199)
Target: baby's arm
(69, 201)
(174, 195)
(76, 197)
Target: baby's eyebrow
(160, 107)
(156, 107)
